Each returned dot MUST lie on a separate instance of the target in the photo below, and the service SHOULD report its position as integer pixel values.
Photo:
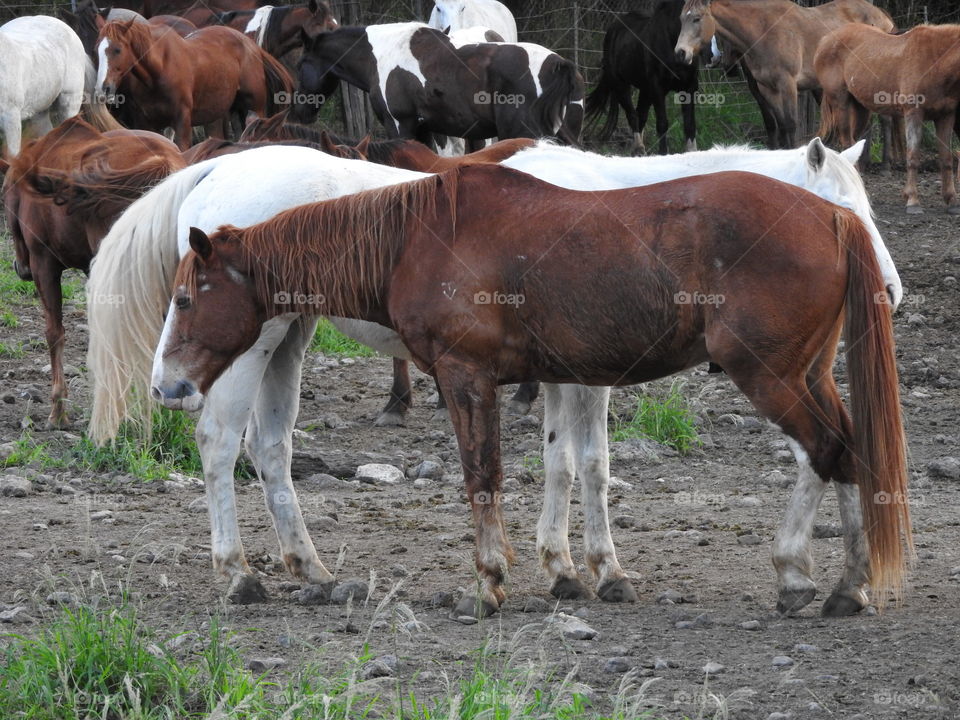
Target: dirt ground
(677, 527)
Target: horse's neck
(348, 64)
(733, 27)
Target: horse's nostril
(156, 394)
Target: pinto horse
(280, 29)
(789, 270)
(638, 52)
(913, 76)
(49, 235)
(181, 82)
(776, 41)
(420, 82)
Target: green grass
(8, 319)
(12, 349)
(330, 341)
(668, 420)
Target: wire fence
(574, 29)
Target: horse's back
(40, 58)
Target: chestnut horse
(913, 76)
(181, 82)
(776, 41)
(49, 237)
(780, 272)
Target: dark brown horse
(490, 276)
(279, 29)
(180, 82)
(51, 234)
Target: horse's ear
(327, 144)
(854, 152)
(446, 30)
(363, 145)
(99, 20)
(200, 243)
(816, 154)
(313, 7)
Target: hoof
(390, 419)
(60, 423)
(792, 601)
(617, 591)
(441, 415)
(246, 590)
(914, 210)
(842, 605)
(953, 209)
(474, 606)
(517, 407)
(570, 588)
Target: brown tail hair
(879, 448)
(829, 121)
(278, 80)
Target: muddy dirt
(677, 527)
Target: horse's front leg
(471, 394)
(944, 126)
(663, 124)
(914, 126)
(12, 131)
(46, 275)
(269, 443)
(394, 413)
(183, 129)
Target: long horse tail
(278, 82)
(829, 120)
(879, 448)
(603, 98)
(562, 89)
(128, 293)
(94, 108)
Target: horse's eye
(183, 302)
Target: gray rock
(713, 668)
(354, 587)
(399, 571)
(466, 619)
(780, 716)
(443, 600)
(15, 486)
(805, 648)
(663, 664)
(640, 450)
(827, 530)
(751, 625)
(782, 661)
(101, 514)
(945, 468)
(322, 524)
(383, 666)
(617, 665)
(427, 470)
(259, 666)
(197, 505)
(669, 597)
(574, 628)
(537, 605)
(624, 521)
(749, 539)
(379, 474)
(16, 615)
(61, 597)
(314, 595)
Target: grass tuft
(668, 420)
(330, 341)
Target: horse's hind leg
(46, 275)
(663, 124)
(394, 412)
(914, 126)
(269, 443)
(690, 123)
(944, 126)
(523, 398)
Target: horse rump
(279, 83)
(562, 97)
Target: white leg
(588, 405)
(850, 595)
(691, 145)
(791, 550)
(638, 146)
(270, 445)
(226, 412)
(10, 122)
(553, 546)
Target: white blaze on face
(103, 65)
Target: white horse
(143, 244)
(42, 76)
(456, 15)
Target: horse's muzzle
(182, 395)
(684, 57)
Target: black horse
(638, 52)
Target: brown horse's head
(121, 45)
(321, 17)
(213, 318)
(697, 27)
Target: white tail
(127, 295)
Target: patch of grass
(668, 420)
(330, 341)
(8, 319)
(12, 349)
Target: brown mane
(341, 250)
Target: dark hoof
(390, 419)
(473, 606)
(914, 210)
(792, 601)
(517, 407)
(570, 588)
(617, 591)
(841, 606)
(246, 590)
(953, 209)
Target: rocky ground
(703, 640)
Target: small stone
(428, 470)
(399, 571)
(322, 524)
(536, 605)
(258, 666)
(15, 615)
(748, 501)
(384, 666)
(779, 716)
(624, 521)
(443, 600)
(617, 665)
(784, 457)
(945, 468)
(669, 597)
(684, 624)
(379, 474)
(421, 483)
(662, 664)
(466, 619)
(314, 595)
(916, 319)
(805, 648)
(782, 661)
(751, 625)
(827, 530)
(197, 505)
(101, 514)
(353, 588)
(39, 526)
(713, 668)
(574, 628)
(61, 597)
(749, 539)
(15, 486)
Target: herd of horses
(210, 262)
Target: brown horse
(913, 76)
(279, 29)
(776, 41)
(753, 274)
(50, 236)
(181, 82)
